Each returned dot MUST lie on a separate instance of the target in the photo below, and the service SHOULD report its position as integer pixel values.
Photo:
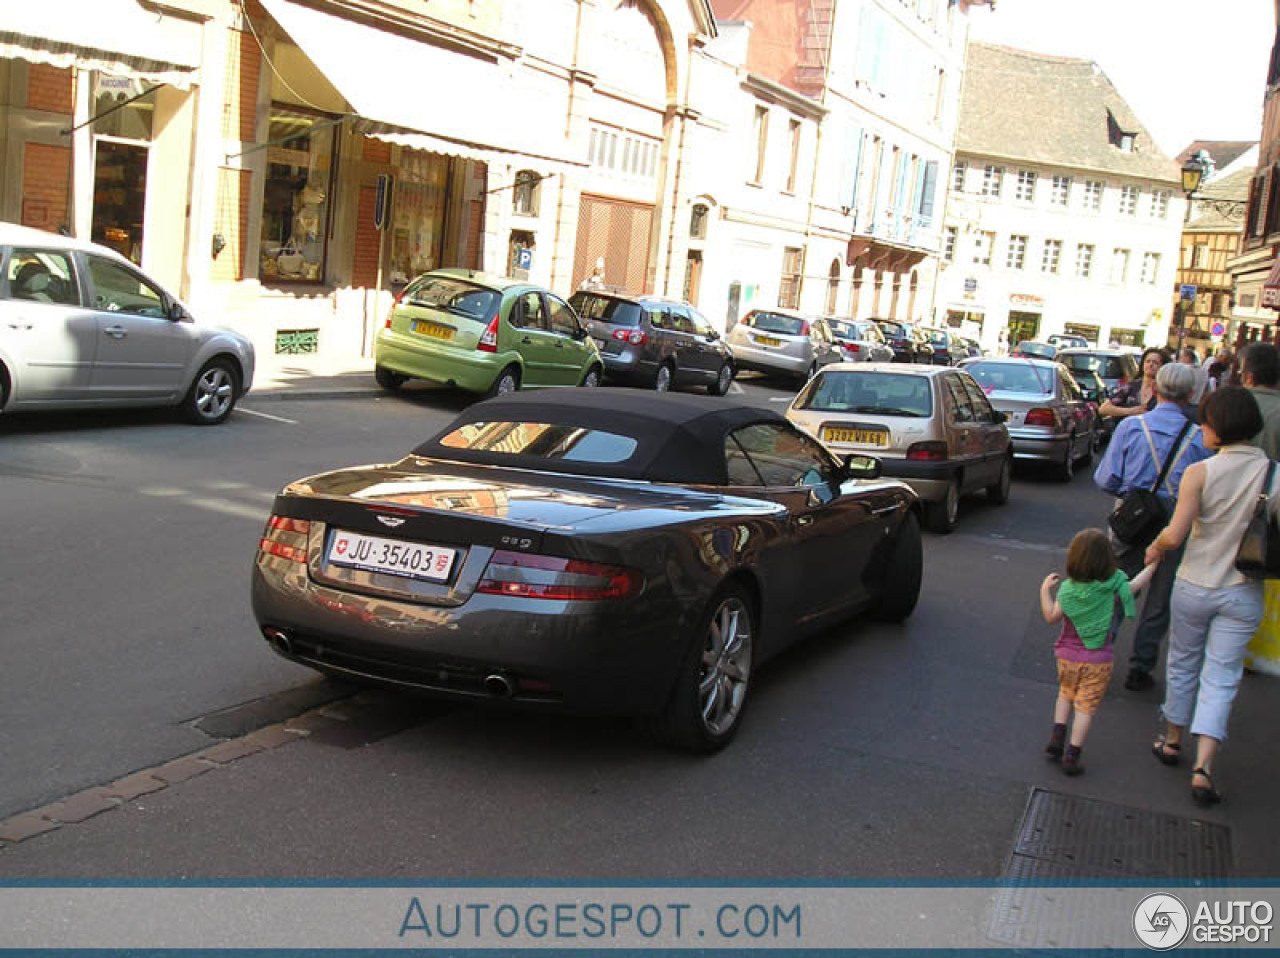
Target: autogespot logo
(1161, 921)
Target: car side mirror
(175, 311)
(579, 333)
(857, 466)
(712, 335)
(998, 416)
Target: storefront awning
(1271, 287)
(420, 95)
(119, 37)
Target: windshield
(777, 323)
(888, 394)
(454, 295)
(1012, 378)
(606, 309)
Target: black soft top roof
(679, 438)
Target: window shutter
(853, 167)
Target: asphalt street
(872, 751)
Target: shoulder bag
(1140, 515)
(1258, 556)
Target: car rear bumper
(628, 364)
(1038, 446)
(420, 358)
(929, 480)
(583, 657)
(763, 360)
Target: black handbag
(1258, 556)
(1140, 515)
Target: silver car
(930, 426)
(82, 327)
(782, 341)
(861, 341)
(1049, 418)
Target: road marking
(781, 398)
(993, 539)
(251, 412)
(735, 389)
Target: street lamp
(1193, 173)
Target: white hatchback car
(82, 327)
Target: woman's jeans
(1211, 628)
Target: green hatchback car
(484, 334)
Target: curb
(279, 393)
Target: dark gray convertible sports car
(622, 552)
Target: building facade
(1255, 272)
(1062, 215)
(287, 165)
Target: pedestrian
(1260, 374)
(1215, 608)
(1091, 603)
(1138, 395)
(1222, 370)
(1191, 358)
(1134, 459)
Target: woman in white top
(1215, 609)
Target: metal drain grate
(1064, 839)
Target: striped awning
(119, 37)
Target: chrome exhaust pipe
(499, 686)
(279, 640)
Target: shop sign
(1026, 299)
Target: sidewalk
(312, 376)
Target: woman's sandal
(1204, 797)
(1166, 753)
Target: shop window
(418, 214)
(525, 195)
(119, 196)
(295, 206)
(114, 115)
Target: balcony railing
(903, 226)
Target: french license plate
(602, 343)
(417, 560)
(768, 341)
(438, 330)
(863, 437)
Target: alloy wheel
(662, 381)
(214, 392)
(726, 666)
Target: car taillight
(804, 329)
(852, 348)
(1040, 417)
(392, 311)
(489, 338)
(286, 538)
(933, 451)
(636, 337)
(551, 577)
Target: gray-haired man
(1134, 459)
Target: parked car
(861, 341)
(909, 345)
(972, 347)
(640, 554)
(931, 427)
(648, 340)
(1049, 418)
(81, 327)
(1114, 367)
(485, 334)
(1030, 349)
(1068, 341)
(946, 346)
(782, 341)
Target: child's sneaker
(1057, 739)
(1071, 761)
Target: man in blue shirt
(1131, 463)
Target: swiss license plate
(768, 341)
(863, 437)
(417, 560)
(427, 328)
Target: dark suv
(654, 341)
(908, 345)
